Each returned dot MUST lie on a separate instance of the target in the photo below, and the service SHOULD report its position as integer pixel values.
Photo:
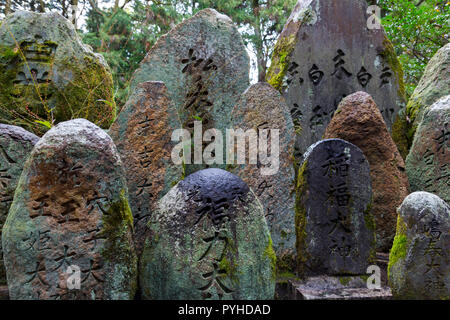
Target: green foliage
(417, 29)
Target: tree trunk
(73, 14)
(260, 61)
(7, 7)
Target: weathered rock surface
(71, 210)
(434, 84)
(45, 69)
(15, 146)
(326, 52)
(359, 121)
(205, 66)
(142, 133)
(335, 228)
(260, 108)
(208, 240)
(419, 266)
(337, 288)
(428, 162)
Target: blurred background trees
(124, 30)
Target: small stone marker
(70, 222)
(260, 108)
(419, 265)
(205, 66)
(335, 229)
(325, 52)
(15, 146)
(358, 121)
(434, 84)
(45, 66)
(208, 240)
(142, 133)
(427, 164)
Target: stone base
(336, 288)
(4, 293)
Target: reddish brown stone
(71, 209)
(142, 133)
(359, 121)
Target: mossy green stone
(418, 263)
(208, 239)
(48, 74)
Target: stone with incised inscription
(271, 173)
(434, 84)
(70, 220)
(142, 134)
(15, 146)
(359, 121)
(205, 66)
(428, 162)
(335, 229)
(47, 71)
(208, 240)
(419, 265)
(325, 52)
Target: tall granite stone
(142, 134)
(46, 70)
(434, 84)
(205, 66)
(15, 146)
(263, 108)
(325, 52)
(359, 121)
(419, 265)
(70, 219)
(208, 240)
(335, 228)
(428, 162)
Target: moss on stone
(270, 253)
(280, 61)
(391, 58)
(400, 134)
(82, 89)
(300, 220)
(400, 245)
(117, 222)
(345, 280)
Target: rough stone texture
(334, 288)
(45, 69)
(335, 228)
(142, 133)
(15, 146)
(419, 266)
(71, 208)
(359, 121)
(326, 52)
(262, 107)
(4, 295)
(205, 66)
(434, 84)
(209, 240)
(427, 164)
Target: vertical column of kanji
(15, 146)
(334, 233)
(142, 133)
(427, 164)
(208, 240)
(323, 55)
(69, 231)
